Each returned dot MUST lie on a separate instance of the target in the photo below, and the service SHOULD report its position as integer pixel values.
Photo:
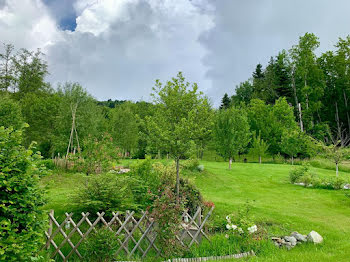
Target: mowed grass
(278, 205)
(282, 207)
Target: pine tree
(225, 102)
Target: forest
(297, 90)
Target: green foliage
(241, 223)
(191, 196)
(191, 164)
(10, 112)
(303, 175)
(103, 193)
(125, 128)
(167, 215)
(98, 155)
(231, 132)
(22, 220)
(291, 143)
(100, 245)
(259, 147)
(296, 173)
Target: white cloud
(27, 24)
(119, 47)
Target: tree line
(317, 86)
(282, 110)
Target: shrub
(167, 215)
(191, 164)
(338, 183)
(296, 173)
(242, 223)
(47, 163)
(190, 195)
(100, 245)
(105, 192)
(21, 216)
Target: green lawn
(285, 207)
(281, 206)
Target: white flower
(240, 230)
(252, 229)
(227, 236)
(234, 227)
(228, 219)
(228, 226)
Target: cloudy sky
(117, 48)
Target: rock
(288, 245)
(314, 237)
(291, 240)
(299, 184)
(276, 244)
(298, 237)
(347, 186)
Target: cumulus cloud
(27, 24)
(251, 31)
(119, 47)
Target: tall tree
(308, 79)
(31, 70)
(259, 147)
(225, 102)
(231, 132)
(177, 119)
(7, 78)
(125, 128)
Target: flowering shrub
(242, 223)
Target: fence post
(52, 213)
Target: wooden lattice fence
(135, 235)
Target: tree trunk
(260, 159)
(300, 118)
(292, 160)
(177, 161)
(230, 163)
(336, 169)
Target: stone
(314, 237)
(347, 186)
(291, 240)
(298, 237)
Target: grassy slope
(286, 207)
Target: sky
(116, 49)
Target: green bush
(105, 192)
(191, 164)
(100, 245)
(22, 220)
(191, 196)
(47, 163)
(296, 173)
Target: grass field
(279, 205)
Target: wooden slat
(201, 226)
(85, 235)
(143, 232)
(131, 232)
(67, 237)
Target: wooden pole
(52, 213)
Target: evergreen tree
(225, 102)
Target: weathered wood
(201, 226)
(85, 235)
(126, 225)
